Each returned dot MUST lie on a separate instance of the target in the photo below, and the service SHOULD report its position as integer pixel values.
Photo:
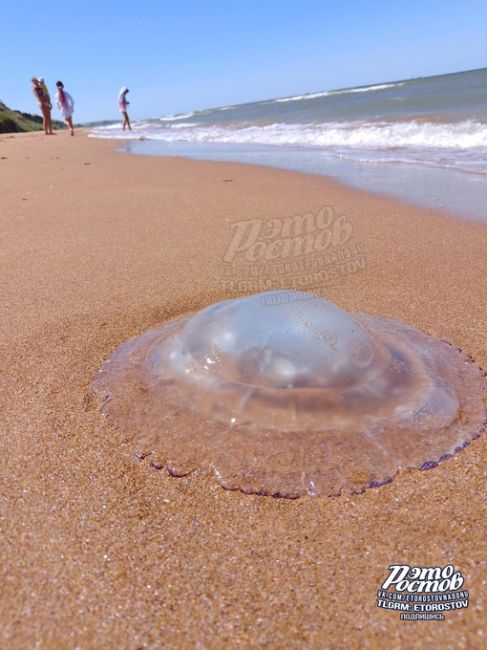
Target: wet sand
(100, 550)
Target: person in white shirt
(65, 104)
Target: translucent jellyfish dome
(284, 393)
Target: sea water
(423, 140)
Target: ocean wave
(175, 117)
(298, 98)
(383, 135)
(107, 127)
(345, 91)
(366, 89)
(185, 125)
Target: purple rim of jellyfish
(284, 393)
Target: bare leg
(69, 124)
(126, 121)
(49, 122)
(44, 118)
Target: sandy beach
(100, 550)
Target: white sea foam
(384, 135)
(460, 145)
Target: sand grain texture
(98, 549)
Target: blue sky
(179, 56)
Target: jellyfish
(283, 393)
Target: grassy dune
(15, 121)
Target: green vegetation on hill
(15, 121)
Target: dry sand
(98, 549)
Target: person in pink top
(123, 106)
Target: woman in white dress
(65, 104)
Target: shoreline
(117, 143)
(433, 187)
(100, 549)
